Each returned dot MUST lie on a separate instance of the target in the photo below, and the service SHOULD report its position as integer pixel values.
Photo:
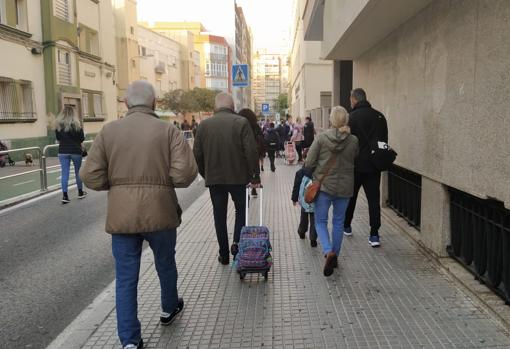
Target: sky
(270, 20)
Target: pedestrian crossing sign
(240, 75)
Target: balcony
(348, 28)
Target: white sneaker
(348, 231)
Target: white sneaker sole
(347, 234)
(374, 244)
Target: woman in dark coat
(259, 138)
(69, 134)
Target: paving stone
(391, 297)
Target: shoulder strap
(329, 166)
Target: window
(16, 100)
(64, 67)
(62, 9)
(21, 15)
(3, 18)
(98, 105)
(132, 30)
(85, 104)
(144, 51)
(89, 41)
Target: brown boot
(329, 264)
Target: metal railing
(404, 194)
(480, 239)
(43, 155)
(40, 170)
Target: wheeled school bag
(254, 254)
(290, 153)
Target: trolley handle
(248, 189)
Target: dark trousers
(271, 156)
(299, 150)
(371, 185)
(308, 218)
(219, 198)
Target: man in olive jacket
(140, 160)
(227, 156)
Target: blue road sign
(265, 108)
(240, 75)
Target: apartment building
(160, 61)
(270, 79)
(184, 33)
(23, 118)
(311, 78)
(125, 24)
(70, 60)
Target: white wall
(88, 13)
(18, 63)
(308, 71)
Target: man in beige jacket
(140, 160)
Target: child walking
(302, 179)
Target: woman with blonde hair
(332, 155)
(70, 137)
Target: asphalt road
(54, 260)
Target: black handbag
(84, 152)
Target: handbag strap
(329, 166)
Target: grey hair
(67, 120)
(359, 94)
(223, 100)
(140, 93)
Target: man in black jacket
(370, 126)
(308, 132)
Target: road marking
(22, 183)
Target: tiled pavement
(392, 297)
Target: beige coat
(140, 160)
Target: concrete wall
(442, 81)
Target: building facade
(184, 34)
(439, 72)
(270, 79)
(243, 55)
(23, 117)
(310, 78)
(160, 61)
(126, 44)
(215, 61)
(70, 62)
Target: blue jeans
(322, 205)
(127, 250)
(65, 164)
